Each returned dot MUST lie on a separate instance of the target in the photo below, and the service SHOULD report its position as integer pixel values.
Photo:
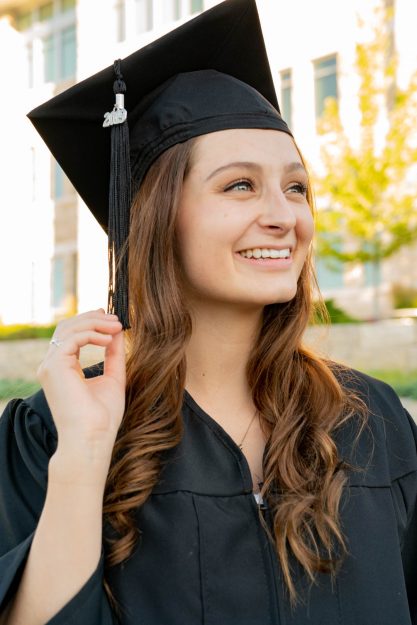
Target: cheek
(305, 227)
(205, 230)
(197, 237)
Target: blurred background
(346, 78)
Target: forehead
(249, 144)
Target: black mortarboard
(211, 73)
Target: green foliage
(20, 331)
(17, 388)
(404, 297)
(403, 382)
(372, 202)
(332, 313)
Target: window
(325, 82)
(52, 25)
(144, 15)
(60, 55)
(196, 6)
(64, 282)
(58, 282)
(150, 14)
(58, 188)
(286, 96)
(330, 272)
(170, 10)
(68, 53)
(49, 58)
(61, 187)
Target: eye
(298, 187)
(240, 185)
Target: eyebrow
(288, 169)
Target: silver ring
(56, 342)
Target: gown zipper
(278, 612)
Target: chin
(287, 297)
(283, 296)
(265, 300)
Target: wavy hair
(298, 396)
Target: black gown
(204, 558)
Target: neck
(218, 352)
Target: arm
(65, 551)
(67, 543)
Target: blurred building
(312, 47)
(53, 255)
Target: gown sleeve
(404, 492)
(400, 432)
(27, 441)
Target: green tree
(367, 185)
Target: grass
(403, 382)
(17, 388)
(20, 331)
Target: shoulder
(387, 444)
(377, 394)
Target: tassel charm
(118, 115)
(119, 203)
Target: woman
(244, 479)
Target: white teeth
(266, 253)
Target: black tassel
(119, 204)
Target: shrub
(404, 296)
(335, 314)
(21, 331)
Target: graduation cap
(211, 73)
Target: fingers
(91, 328)
(93, 320)
(114, 359)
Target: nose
(277, 211)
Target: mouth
(266, 253)
(267, 259)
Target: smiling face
(244, 225)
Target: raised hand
(87, 412)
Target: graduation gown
(204, 558)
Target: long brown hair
(299, 399)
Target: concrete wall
(383, 345)
(389, 344)
(21, 359)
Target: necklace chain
(247, 429)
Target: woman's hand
(87, 412)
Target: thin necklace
(247, 430)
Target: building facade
(53, 254)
